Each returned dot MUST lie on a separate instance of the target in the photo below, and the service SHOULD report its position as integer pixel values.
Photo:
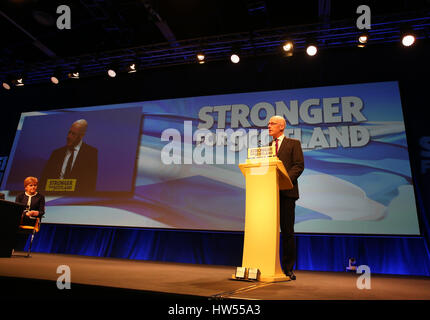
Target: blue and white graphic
(357, 177)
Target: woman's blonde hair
(29, 180)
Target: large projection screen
(174, 163)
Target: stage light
(6, 85)
(408, 39)
(73, 75)
(132, 68)
(362, 40)
(55, 80)
(351, 265)
(19, 82)
(200, 57)
(311, 50)
(235, 58)
(288, 47)
(111, 72)
(56, 76)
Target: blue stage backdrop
(178, 178)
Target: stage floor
(203, 281)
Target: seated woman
(34, 201)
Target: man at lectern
(76, 160)
(289, 151)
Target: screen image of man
(289, 151)
(76, 160)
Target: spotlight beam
(161, 24)
(36, 42)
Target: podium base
(275, 278)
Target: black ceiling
(30, 35)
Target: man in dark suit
(289, 151)
(76, 160)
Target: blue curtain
(405, 256)
(387, 255)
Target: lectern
(265, 175)
(10, 215)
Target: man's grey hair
(82, 124)
(280, 118)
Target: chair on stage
(30, 229)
